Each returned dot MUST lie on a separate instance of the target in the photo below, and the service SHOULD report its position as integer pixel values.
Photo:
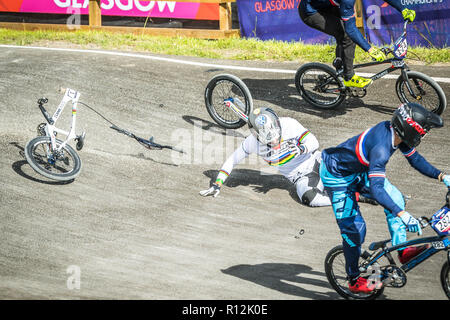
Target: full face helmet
(265, 125)
(412, 122)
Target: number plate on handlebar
(400, 48)
(441, 221)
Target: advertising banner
(135, 8)
(430, 28)
(276, 19)
(279, 20)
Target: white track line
(192, 63)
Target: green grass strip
(233, 48)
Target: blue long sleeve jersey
(369, 152)
(347, 10)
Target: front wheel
(337, 276)
(63, 165)
(221, 88)
(445, 278)
(319, 85)
(424, 91)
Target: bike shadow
(287, 278)
(211, 126)
(260, 181)
(282, 93)
(17, 167)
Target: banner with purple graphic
(430, 28)
(276, 19)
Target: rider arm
(305, 140)
(347, 9)
(418, 162)
(247, 147)
(377, 177)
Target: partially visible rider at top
(338, 19)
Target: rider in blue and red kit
(359, 164)
(337, 18)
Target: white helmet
(265, 125)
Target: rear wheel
(319, 85)
(337, 276)
(218, 90)
(426, 92)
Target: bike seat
(377, 245)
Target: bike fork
(408, 86)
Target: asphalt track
(133, 223)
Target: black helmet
(412, 122)
(265, 125)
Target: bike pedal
(80, 141)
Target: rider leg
(396, 227)
(310, 189)
(329, 21)
(348, 217)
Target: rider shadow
(286, 278)
(282, 93)
(261, 182)
(17, 167)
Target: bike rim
(425, 93)
(320, 86)
(225, 90)
(61, 164)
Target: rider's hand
(377, 54)
(411, 223)
(214, 191)
(445, 178)
(408, 14)
(296, 149)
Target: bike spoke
(222, 91)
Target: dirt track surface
(133, 222)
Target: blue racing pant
(341, 191)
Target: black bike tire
(436, 87)
(302, 91)
(210, 108)
(445, 278)
(36, 167)
(332, 254)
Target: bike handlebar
(425, 221)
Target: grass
(234, 48)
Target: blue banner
(279, 20)
(430, 28)
(276, 19)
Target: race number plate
(441, 221)
(401, 48)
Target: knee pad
(309, 196)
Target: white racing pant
(310, 189)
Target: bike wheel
(64, 166)
(445, 278)
(428, 93)
(337, 276)
(319, 85)
(220, 88)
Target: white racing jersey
(289, 162)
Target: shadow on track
(283, 93)
(261, 182)
(286, 278)
(17, 167)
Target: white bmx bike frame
(51, 130)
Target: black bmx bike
(380, 268)
(323, 87)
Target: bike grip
(62, 90)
